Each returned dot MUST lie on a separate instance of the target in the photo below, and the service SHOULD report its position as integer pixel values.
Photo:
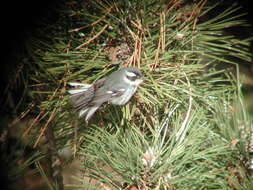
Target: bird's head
(133, 75)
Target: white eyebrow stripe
(134, 83)
(130, 74)
(109, 92)
(122, 90)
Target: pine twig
(93, 38)
(55, 166)
(108, 11)
(45, 128)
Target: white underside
(123, 99)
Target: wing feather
(82, 98)
(102, 96)
(87, 99)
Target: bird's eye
(133, 75)
(132, 78)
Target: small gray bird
(117, 88)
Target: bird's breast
(125, 97)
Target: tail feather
(83, 85)
(76, 91)
(88, 112)
(81, 99)
(83, 112)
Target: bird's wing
(103, 95)
(82, 97)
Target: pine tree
(185, 128)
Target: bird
(116, 88)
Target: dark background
(19, 22)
